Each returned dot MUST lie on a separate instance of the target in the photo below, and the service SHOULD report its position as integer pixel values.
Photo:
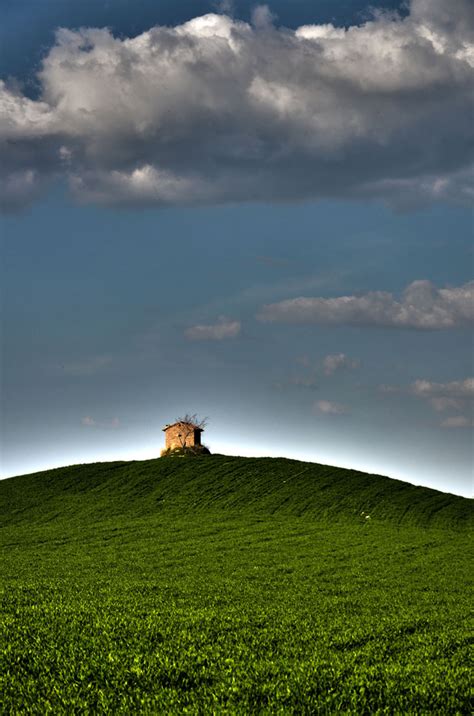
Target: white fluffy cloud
(457, 395)
(422, 306)
(327, 407)
(455, 389)
(338, 361)
(224, 328)
(309, 373)
(454, 396)
(219, 110)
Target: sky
(261, 214)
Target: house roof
(179, 422)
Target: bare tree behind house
(188, 424)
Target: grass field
(232, 585)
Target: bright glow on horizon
(234, 449)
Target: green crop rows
(143, 588)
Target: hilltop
(270, 486)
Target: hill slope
(272, 486)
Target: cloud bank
(218, 110)
(422, 306)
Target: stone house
(179, 435)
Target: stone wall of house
(181, 435)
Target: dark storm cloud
(218, 110)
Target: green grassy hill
(236, 485)
(232, 585)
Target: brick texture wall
(181, 435)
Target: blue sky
(198, 279)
